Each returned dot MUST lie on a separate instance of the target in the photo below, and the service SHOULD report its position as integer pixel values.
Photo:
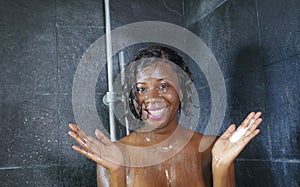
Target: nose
(152, 95)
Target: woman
(162, 152)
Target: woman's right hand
(101, 150)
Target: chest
(183, 169)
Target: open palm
(227, 147)
(100, 150)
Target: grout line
(56, 95)
(297, 161)
(183, 14)
(265, 93)
(207, 13)
(170, 9)
(259, 31)
(281, 60)
(85, 26)
(29, 167)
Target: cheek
(140, 98)
(172, 98)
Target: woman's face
(159, 95)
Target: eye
(163, 86)
(141, 89)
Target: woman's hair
(148, 56)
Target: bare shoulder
(204, 142)
(207, 142)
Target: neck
(158, 134)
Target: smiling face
(159, 95)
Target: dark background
(256, 43)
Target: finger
(81, 134)
(87, 137)
(84, 152)
(247, 120)
(79, 140)
(245, 140)
(78, 149)
(257, 115)
(86, 141)
(250, 119)
(82, 141)
(230, 130)
(254, 126)
(87, 154)
(73, 134)
(74, 127)
(102, 137)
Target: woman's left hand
(233, 140)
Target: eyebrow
(155, 81)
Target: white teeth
(157, 112)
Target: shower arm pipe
(110, 92)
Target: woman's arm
(223, 176)
(229, 146)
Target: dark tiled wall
(42, 42)
(257, 44)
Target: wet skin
(189, 167)
(160, 95)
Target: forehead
(158, 70)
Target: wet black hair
(147, 56)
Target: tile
(292, 170)
(30, 14)
(46, 176)
(72, 45)
(133, 11)
(91, 12)
(196, 10)
(286, 173)
(254, 173)
(279, 25)
(235, 45)
(282, 99)
(29, 130)
(28, 38)
(83, 174)
(80, 13)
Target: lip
(155, 114)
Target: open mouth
(155, 114)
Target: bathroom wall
(42, 42)
(257, 44)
